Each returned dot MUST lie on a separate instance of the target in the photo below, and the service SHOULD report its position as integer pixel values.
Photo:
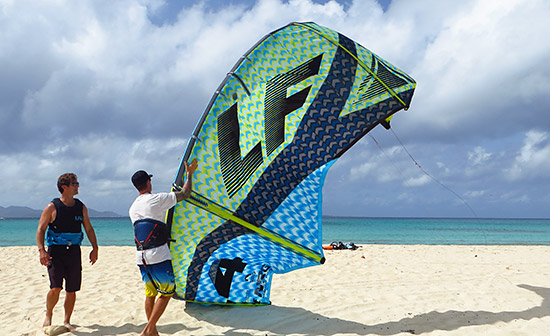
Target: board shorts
(65, 264)
(162, 275)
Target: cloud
(417, 181)
(480, 67)
(533, 160)
(478, 156)
(475, 194)
(104, 88)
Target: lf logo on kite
(222, 280)
(235, 169)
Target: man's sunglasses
(76, 184)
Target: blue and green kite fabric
(298, 99)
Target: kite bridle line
(358, 61)
(218, 210)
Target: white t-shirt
(152, 206)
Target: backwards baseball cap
(140, 178)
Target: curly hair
(65, 179)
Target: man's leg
(73, 281)
(150, 292)
(70, 299)
(158, 309)
(51, 300)
(164, 278)
(149, 304)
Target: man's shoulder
(155, 198)
(135, 203)
(167, 197)
(163, 194)
(49, 208)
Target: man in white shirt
(148, 213)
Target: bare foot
(147, 334)
(47, 321)
(150, 333)
(69, 326)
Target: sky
(104, 88)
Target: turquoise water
(444, 231)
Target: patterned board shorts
(158, 279)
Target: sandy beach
(376, 290)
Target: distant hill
(26, 212)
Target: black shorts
(65, 264)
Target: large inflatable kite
(291, 106)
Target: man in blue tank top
(61, 226)
(147, 213)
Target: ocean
(429, 231)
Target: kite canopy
(293, 104)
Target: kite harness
(150, 233)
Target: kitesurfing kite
(289, 108)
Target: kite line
(427, 174)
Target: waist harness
(63, 238)
(150, 233)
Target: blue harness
(150, 233)
(64, 238)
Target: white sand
(376, 290)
